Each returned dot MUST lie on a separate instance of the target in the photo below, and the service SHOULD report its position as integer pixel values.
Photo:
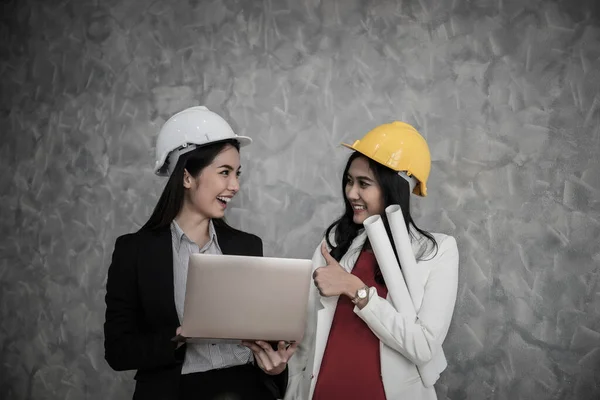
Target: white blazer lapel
(325, 314)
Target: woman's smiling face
(363, 191)
(210, 192)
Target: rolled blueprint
(410, 271)
(388, 265)
(430, 371)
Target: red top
(351, 366)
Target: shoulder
(141, 237)
(126, 240)
(235, 241)
(146, 234)
(444, 240)
(248, 237)
(441, 239)
(447, 249)
(223, 229)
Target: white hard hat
(187, 130)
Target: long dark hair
(171, 200)
(395, 190)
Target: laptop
(233, 298)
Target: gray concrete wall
(506, 93)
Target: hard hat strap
(412, 181)
(173, 157)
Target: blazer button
(312, 376)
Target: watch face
(362, 293)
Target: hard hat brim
(349, 146)
(244, 140)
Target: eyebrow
(364, 178)
(229, 167)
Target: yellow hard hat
(398, 146)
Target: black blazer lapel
(226, 244)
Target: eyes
(228, 172)
(361, 183)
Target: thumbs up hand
(333, 280)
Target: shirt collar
(180, 234)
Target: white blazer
(404, 342)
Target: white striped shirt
(200, 357)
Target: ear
(188, 180)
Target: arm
(419, 339)
(126, 346)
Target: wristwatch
(361, 294)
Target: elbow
(418, 355)
(114, 362)
(115, 358)
(425, 346)
(115, 347)
(422, 353)
(426, 354)
(422, 358)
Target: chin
(218, 214)
(360, 219)
(215, 213)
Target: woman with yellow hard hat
(361, 343)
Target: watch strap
(356, 299)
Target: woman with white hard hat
(199, 153)
(384, 289)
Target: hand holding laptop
(272, 361)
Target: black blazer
(141, 317)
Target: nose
(352, 192)
(234, 184)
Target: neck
(194, 225)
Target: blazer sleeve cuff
(277, 384)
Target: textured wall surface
(506, 92)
